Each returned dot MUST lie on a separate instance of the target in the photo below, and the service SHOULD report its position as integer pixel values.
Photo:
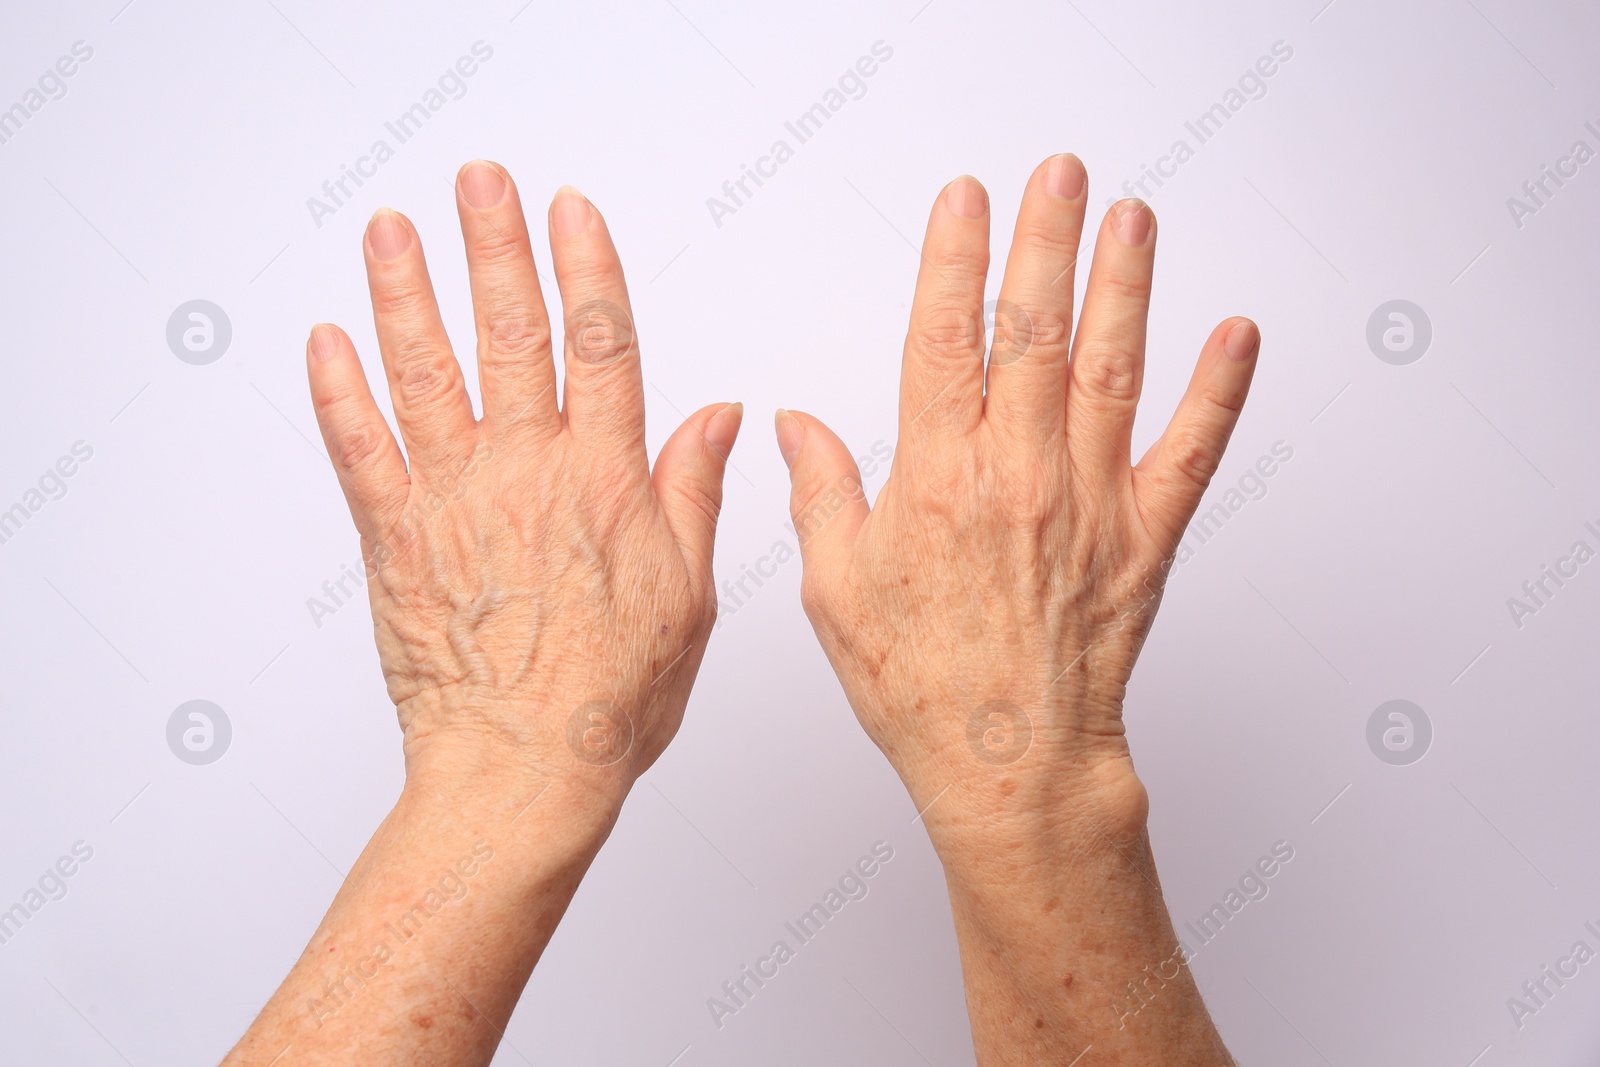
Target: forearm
(429, 942)
(1065, 939)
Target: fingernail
(1065, 177)
(482, 184)
(966, 197)
(324, 342)
(388, 235)
(1241, 341)
(1132, 223)
(724, 428)
(571, 212)
(791, 435)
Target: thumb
(826, 500)
(688, 479)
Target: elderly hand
(541, 601)
(985, 614)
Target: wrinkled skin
(1015, 557)
(537, 596)
(984, 616)
(541, 600)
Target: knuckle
(1038, 326)
(946, 327)
(515, 332)
(1195, 458)
(424, 375)
(599, 332)
(338, 403)
(354, 446)
(1107, 374)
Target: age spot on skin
(1007, 787)
(1038, 1024)
(1066, 983)
(875, 669)
(1050, 906)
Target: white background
(1378, 566)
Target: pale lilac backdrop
(1359, 153)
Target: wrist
(1081, 858)
(1032, 818)
(525, 799)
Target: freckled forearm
(434, 933)
(1066, 945)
